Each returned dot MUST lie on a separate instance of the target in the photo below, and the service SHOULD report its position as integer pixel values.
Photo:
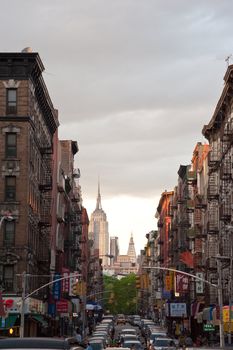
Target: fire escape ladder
(213, 189)
(213, 224)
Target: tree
(120, 294)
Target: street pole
(22, 304)
(230, 293)
(24, 296)
(218, 286)
(220, 301)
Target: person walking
(78, 336)
(89, 347)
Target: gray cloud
(134, 80)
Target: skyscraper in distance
(114, 249)
(131, 250)
(98, 230)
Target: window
(10, 188)
(11, 101)
(8, 277)
(9, 234)
(11, 150)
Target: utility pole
(221, 329)
(24, 296)
(230, 292)
(24, 276)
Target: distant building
(114, 249)
(98, 230)
(126, 264)
(131, 250)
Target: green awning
(9, 321)
(39, 318)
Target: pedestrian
(77, 335)
(89, 347)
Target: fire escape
(45, 188)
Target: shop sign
(57, 287)
(182, 283)
(72, 282)
(62, 306)
(35, 306)
(199, 284)
(178, 310)
(168, 283)
(208, 327)
(52, 309)
(65, 283)
(166, 294)
(11, 304)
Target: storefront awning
(8, 322)
(39, 318)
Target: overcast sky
(134, 82)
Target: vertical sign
(182, 283)
(199, 284)
(65, 283)
(57, 287)
(168, 283)
(72, 281)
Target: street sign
(208, 327)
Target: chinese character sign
(182, 283)
(56, 287)
(199, 284)
(178, 310)
(65, 282)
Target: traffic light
(75, 288)
(11, 331)
(138, 282)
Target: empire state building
(98, 230)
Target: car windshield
(129, 344)
(157, 335)
(96, 346)
(128, 331)
(163, 342)
(130, 337)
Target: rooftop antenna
(227, 60)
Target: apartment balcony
(200, 202)
(181, 200)
(192, 232)
(212, 227)
(225, 212)
(192, 177)
(183, 223)
(226, 171)
(198, 260)
(160, 224)
(160, 241)
(211, 264)
(214, 158)
(213, 192)
(190, 206)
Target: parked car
(156, 335)
(163, 343)
(37, 343)
(97, 344)
(133, 344)
(121, 319)
(128, 331)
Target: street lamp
(218, 286)
(24, 296)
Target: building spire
(98, 202)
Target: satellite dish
(27, 50)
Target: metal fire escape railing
(45, 188)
